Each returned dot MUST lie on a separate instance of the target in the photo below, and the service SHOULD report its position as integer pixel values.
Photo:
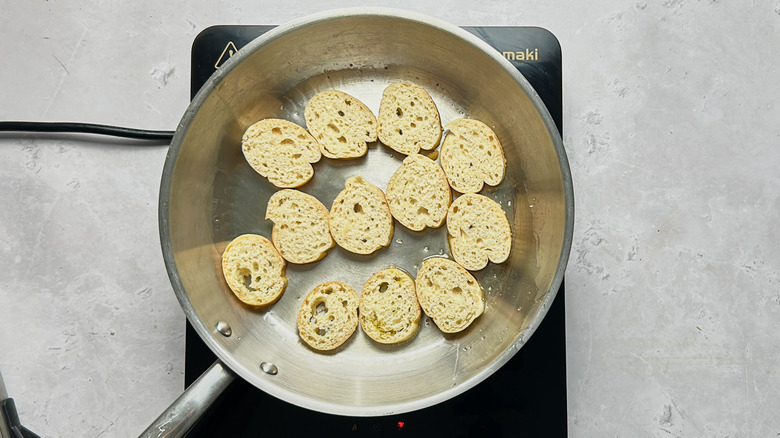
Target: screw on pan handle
(185, 411)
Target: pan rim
(206, 333)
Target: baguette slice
(328, 315)
(301, 232)
(408, 119)
(449, 294)
(254, 270)
(360, 220)
(342, 124)
(389, 311)
(478, 231)
(471, 156)
(418, 193)
(281, 151)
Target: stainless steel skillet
(209, 195)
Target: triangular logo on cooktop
(229, 51)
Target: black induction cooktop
(524, 398)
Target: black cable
(86, 128)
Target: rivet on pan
(224, 329)
(269, 368)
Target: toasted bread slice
(360, 220)
(389, 311)
(408, 119)
(301, 232)
(418, 193)
(281, 151)
(471, 156)
(328, 315)
(449, 294)
(478, 231)
(342, 124)
(254, 270)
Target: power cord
(86, 128)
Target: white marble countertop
(671, 125)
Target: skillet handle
(185, 411)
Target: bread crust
(449, 294)
(254, 270)
(281, 151)
(408, 119)
(478, 231)
(328, 315)
(471, 156)
(389, 311)
(418, 193)
(301, 232)
(360, 219)
(342, 125)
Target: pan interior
(211, 195)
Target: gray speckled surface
(670, 123)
